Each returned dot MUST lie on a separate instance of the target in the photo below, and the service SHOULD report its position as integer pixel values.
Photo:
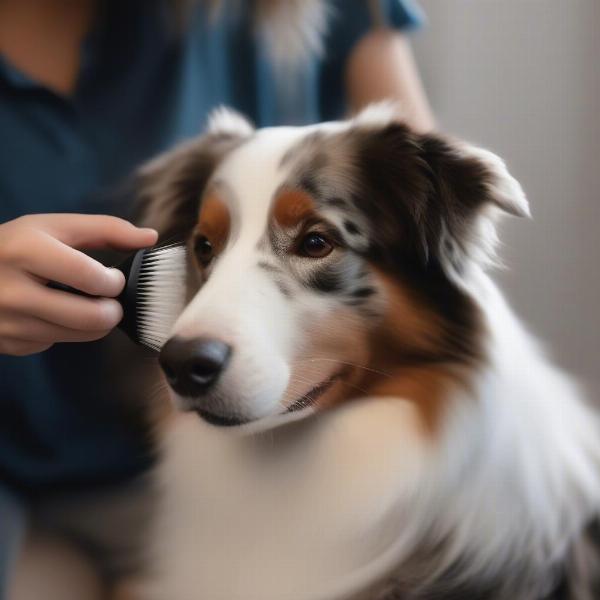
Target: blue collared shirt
(140, 90)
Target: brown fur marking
(291, 207)
(407, 358)
(404, 346)
(214, 221)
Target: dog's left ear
(441, 197)
(169, 188)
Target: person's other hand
(35, 249)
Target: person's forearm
(381, 67)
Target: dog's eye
(315, 245)
(203, 250)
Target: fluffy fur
(398, 433)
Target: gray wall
(522, 77)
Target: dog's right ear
(432, 199)
(168, 189)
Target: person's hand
(35, 249)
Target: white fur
(380, 114)
(504, 188)
(224, 121)
(327, 508)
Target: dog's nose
(191, 366)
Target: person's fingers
(55, 261)
(28, 297)
(98, 231)
(28, 329)
(21, 348)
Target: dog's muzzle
(192, 368)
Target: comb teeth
(160, 296)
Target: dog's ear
(168, 189)
(439, 198)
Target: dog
(361, 414)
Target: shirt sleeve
(350, 20)
(401, 14)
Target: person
(89, 89)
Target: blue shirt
(141, 89)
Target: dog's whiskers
(299, 379)
(350, 364)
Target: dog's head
(325, 262)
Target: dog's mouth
(219, 420)
(305, 401)
(315, 393)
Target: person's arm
(381, 66)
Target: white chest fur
(309, 511)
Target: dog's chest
(314, 511)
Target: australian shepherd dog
(361, 415)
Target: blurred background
(522, 77)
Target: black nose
(191, 366)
